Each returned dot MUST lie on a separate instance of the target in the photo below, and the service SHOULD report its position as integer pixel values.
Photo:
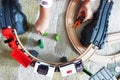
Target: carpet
(53, 51)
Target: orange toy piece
(83, 13)
(79, 20)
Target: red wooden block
(8, 33)
(23, 59)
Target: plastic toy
(103, 74)
(87, 72)
(11, 39)
(17, 53)
(45, 34)
(12, 15)
(57, 37)
(63, 59)
(40, 43)
(34, 53)
(79, 20)
(71, 68)
(44, 69)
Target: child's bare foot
(43, 21)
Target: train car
(44, 69)
(71, 68)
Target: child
(43, 21)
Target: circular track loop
(87, 53)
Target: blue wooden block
(33, 53)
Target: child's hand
(86, 8)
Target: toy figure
(43, 21)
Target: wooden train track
(87, 53)
(24, 57)
(84, 56)
(34, 59)
(22, 47)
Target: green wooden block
(57, 37)
(45, 34)
(40, 44)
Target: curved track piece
(96, 31)
(19, 45)
(86, 53)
